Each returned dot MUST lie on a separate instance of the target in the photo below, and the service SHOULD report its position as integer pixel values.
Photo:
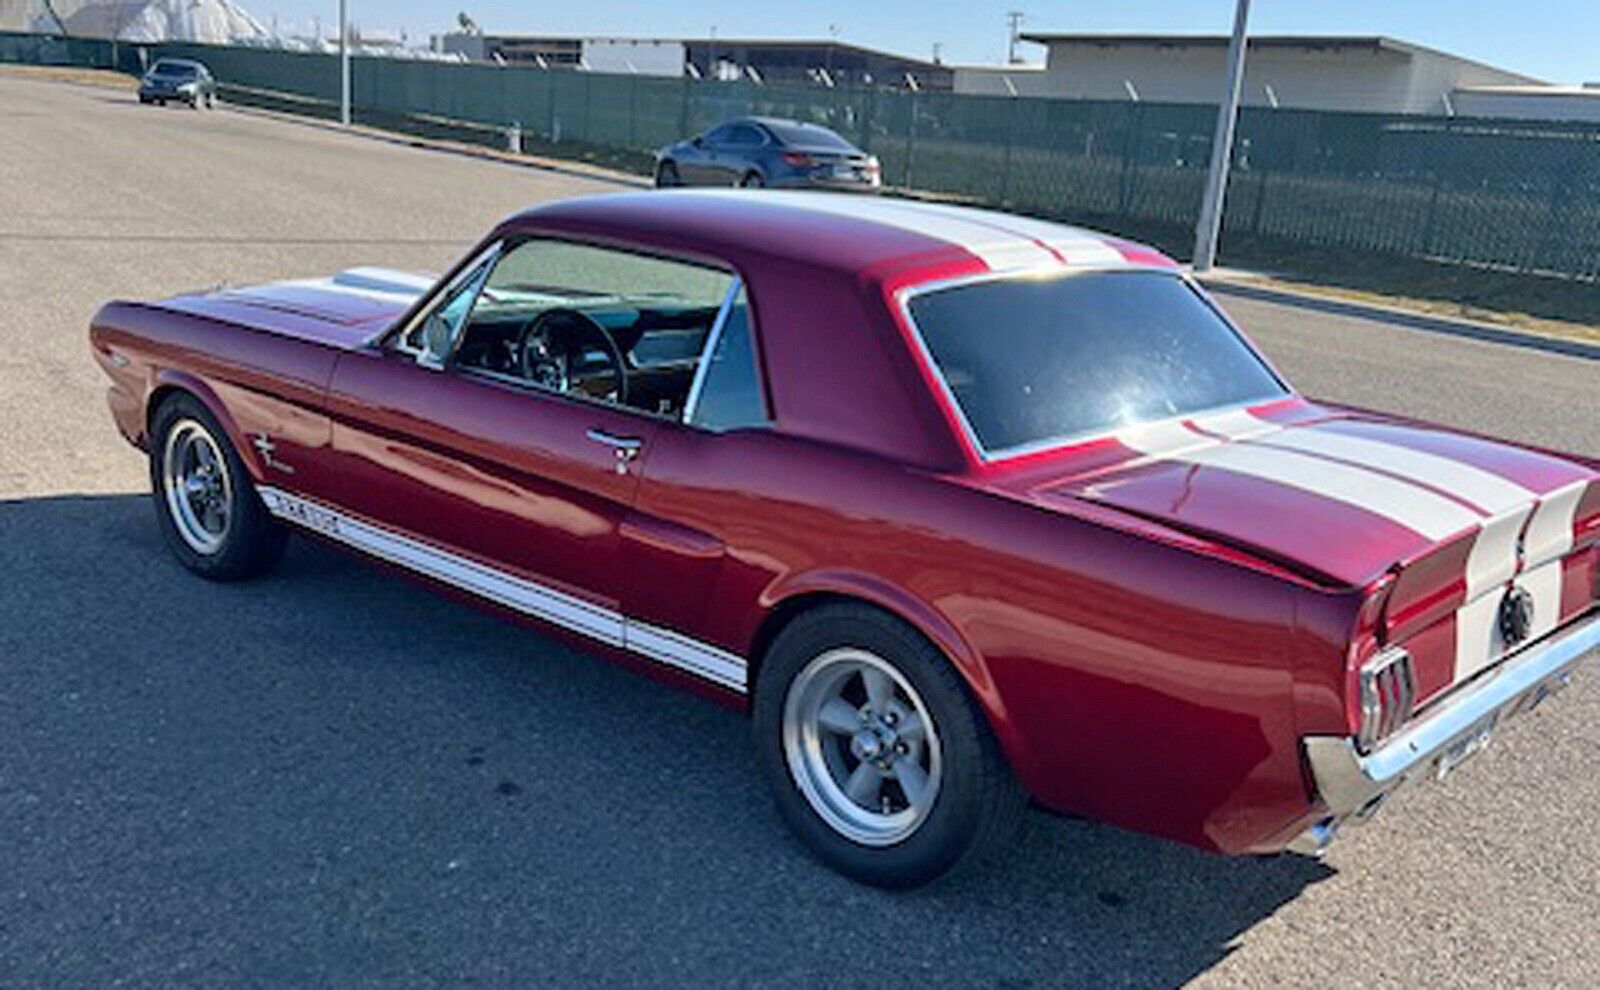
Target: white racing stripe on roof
(998, 248)
(1490, 492)
(1078, 247)
(1417, 509)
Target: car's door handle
(626, 448)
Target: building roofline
(719, 42)
(1367, 42)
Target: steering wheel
(551, 348)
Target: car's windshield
(807, 136)
(1032, 361)
(176, 70)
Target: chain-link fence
(1508, 195)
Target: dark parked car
(765, 151)
(179, 80)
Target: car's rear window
(1032, 361)
(801, 136)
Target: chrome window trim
(484, 261)
(903, 299)
(519, 594)
(691, 404)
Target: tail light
(798, 159)
(1388, 694)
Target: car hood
(347, 310)
(1343, 496)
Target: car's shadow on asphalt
(334, 776)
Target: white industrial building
(1579, 103)
(1370, 74)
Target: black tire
(978, 804)
(145, 100)
(250, 541)
(752, 180)
(667, 176)
(161, 103)
(211, 101)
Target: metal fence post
(1210, 225)
(633, 112)
(911, 140)
(1426, 247)
(1011, 139)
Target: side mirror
(698, 141)
(437, 339)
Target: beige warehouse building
(1372, 74)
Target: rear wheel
(752, 180)
(878, 758)
(208, 509)
(667, 176)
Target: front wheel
(207, 507)
(878, 758)
(667, 176)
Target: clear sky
(1558, 40)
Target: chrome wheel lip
(195, 478)
(814, 755)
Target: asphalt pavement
(333, 777)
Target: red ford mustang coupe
(966, 508)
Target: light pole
(344, 63)
(1210, 226)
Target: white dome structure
(205, 21)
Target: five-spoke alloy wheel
(207, 506)
(197, 485)
(861, 746)
(878, 756)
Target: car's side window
(722, 134)
(727, 391)
(744, 136)
(604, 324)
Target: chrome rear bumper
(1353, 784)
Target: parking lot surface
(333, 777)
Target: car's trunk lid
(1347, 499)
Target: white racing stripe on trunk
(1479, 645)
(1489, 491)
(1238, 424)
(1477, 636)
(1493, 559)
(1417, 509)
(1550, 532)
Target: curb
(596, 173)
(1427, 322)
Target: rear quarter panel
(1129, 679)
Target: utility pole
(1014, 20)
(344, 63)
(1210, 225)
